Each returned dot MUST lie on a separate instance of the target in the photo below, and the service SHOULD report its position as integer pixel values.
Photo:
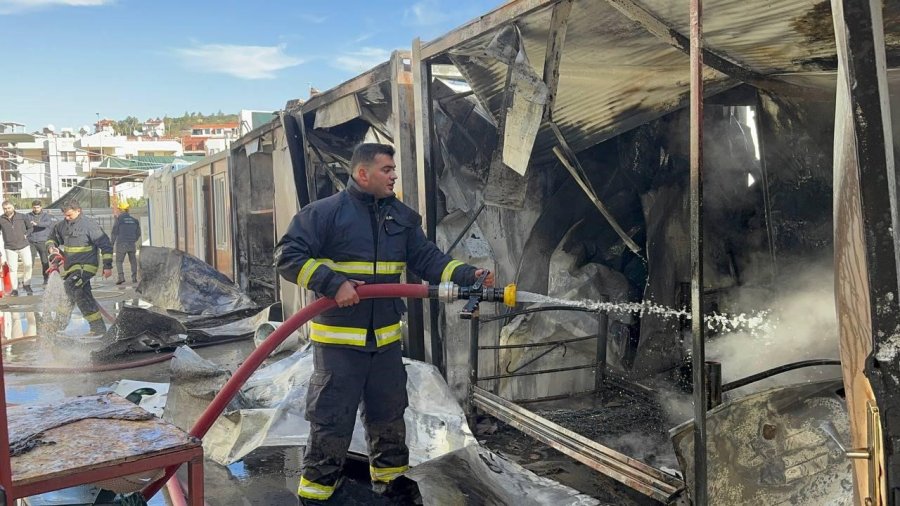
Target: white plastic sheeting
(274, 403)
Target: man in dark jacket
(41, 224)
(125, 234)
(15, 229)
(360, 235)
(83, 244)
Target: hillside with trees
(175, 126)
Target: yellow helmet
(123, 205)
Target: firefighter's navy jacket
(351, 236)
(83, 243)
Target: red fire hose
(218, 404)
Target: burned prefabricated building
(549, 141)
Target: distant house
(105, 125)
(215, 137)
(155, 128)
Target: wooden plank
(404, 128)
(865, 232)
(559, 23)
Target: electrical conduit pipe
(256, 358)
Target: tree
(128, 125)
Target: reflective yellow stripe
(93, 316)
(77, 249)
(384, 268)
(50, 242)
(386, 474)
(82, 267)
(106, 256)
(313, 490)
(448, 271)
(306, 272)
(388, 335)
(337, 335)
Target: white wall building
(50, 164)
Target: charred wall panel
(796, 138)
(262, 228)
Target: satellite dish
(136, 132)
(50, 128)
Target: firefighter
(125, 235)
(83, 244)
(360, 235)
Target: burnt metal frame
(698, 332)
(508, 13)
(631, 472)
(599, 365)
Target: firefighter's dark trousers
(121, 251)
(78, 289)
(342, 377)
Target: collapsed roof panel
(645, 76)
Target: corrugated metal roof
(615, 75)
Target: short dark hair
(71, 204)
(37, 203)
(7, 202)
(365, 153)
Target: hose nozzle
(449, 292)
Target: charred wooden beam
(673, 37)
(403, 112)
(556, 39)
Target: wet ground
(269, 476)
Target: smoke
(802, 326)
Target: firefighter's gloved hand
(346, 294)
(488, 281)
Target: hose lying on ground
(230, 389)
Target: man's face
(9, 209)
(378, 179)
(36, 209)
(71, 214)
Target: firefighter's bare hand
(107, 273)
(53, 250)
(346, 294)
(489, 280)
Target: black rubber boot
(98, 327)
